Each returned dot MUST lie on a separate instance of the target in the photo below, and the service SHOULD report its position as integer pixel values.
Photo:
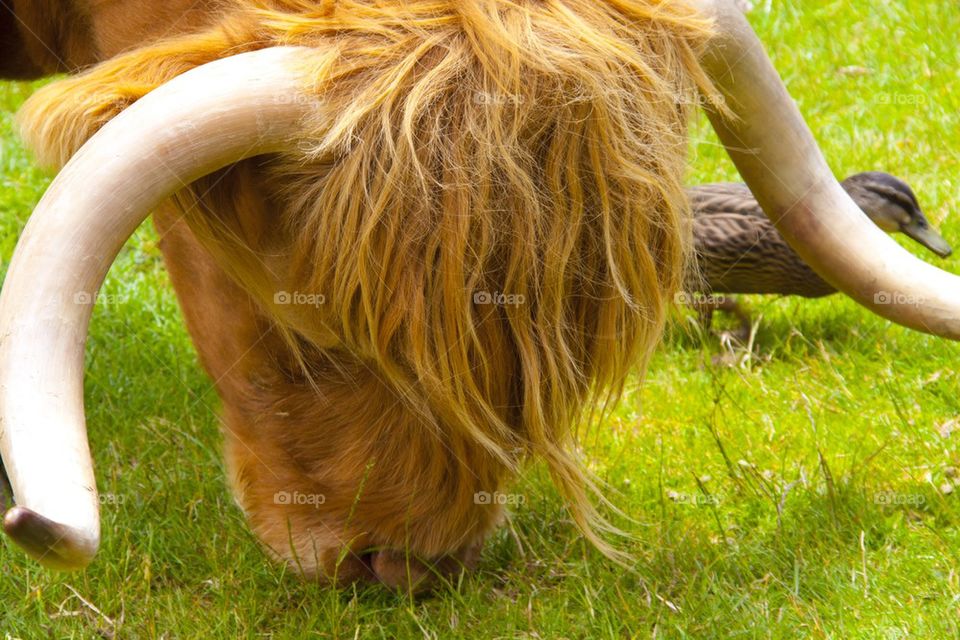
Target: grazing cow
(413, 242)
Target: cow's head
(570, 211)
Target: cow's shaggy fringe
(491, 204)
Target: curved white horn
(780, 161)
(204, 120)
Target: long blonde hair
(494, 215)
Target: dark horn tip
(54, 545)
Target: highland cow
(338, 186)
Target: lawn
(803, 488)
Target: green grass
(758, 488)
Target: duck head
(892, 205)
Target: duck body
(740, 253)
(738, 249)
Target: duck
(738, 249)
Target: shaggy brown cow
(348, 190)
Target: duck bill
(773, 149)
(929, 238)
(203, 120)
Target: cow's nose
(402, 570)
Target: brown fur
(528, 147)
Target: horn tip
(53, 545)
